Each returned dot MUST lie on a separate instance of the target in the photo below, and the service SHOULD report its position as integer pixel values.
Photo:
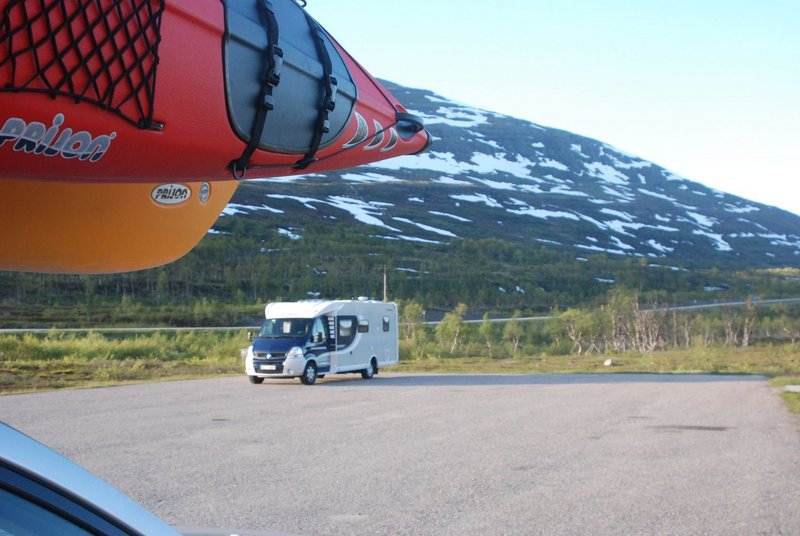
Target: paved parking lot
(440, 454)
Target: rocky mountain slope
(490, 175)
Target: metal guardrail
(712, 305)
(741, 303)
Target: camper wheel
(371, 370)
(309, 374)
(256, 379)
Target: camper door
(320, 344)
(346, 330)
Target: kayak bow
(126, 125)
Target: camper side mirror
(250, 336)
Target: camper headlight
(295, 352)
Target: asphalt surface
(449, 454)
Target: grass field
(58, 360)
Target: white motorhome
(311, 338)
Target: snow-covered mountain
(492, 175)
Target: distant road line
(757, 303)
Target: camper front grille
(273, 365)
(266, 355)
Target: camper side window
(385, 323)
(363, 326)
(347, 331)
(345, 328)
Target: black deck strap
(266, 101)
(330, 87)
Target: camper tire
(255, 379)
(371, 370)
(309, 374)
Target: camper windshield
(289, 328)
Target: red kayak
(126, 125)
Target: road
(440, 454)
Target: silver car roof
(34, 458)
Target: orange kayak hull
(103, 228)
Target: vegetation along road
(707, 305)
(440, 454)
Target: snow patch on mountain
(363, 211)
(491, 143)
(451, 216)
(288, 233)
(451, 181)
(599, 249)
(429, 228)
(620, 244)
(234, 208)
(407, 238)
(633, 162)
(369, 177)
(578, 149)
(622, 227)
(550, 163)
(670, 176)
(305, 201)
(703, 221)
(781, 239)
(495, 185)
(716, 240)
(625, 197)
(659, 247)
(565, 190)
(739, 210)
(445, 162)
(607, 173)
(665, 197)
(617, 213)
(498, 163)
(454, 115)
(543, 213)
(478, 198)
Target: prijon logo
(171, 194)
(37, 138)
(205, 192)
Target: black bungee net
(110, 46)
